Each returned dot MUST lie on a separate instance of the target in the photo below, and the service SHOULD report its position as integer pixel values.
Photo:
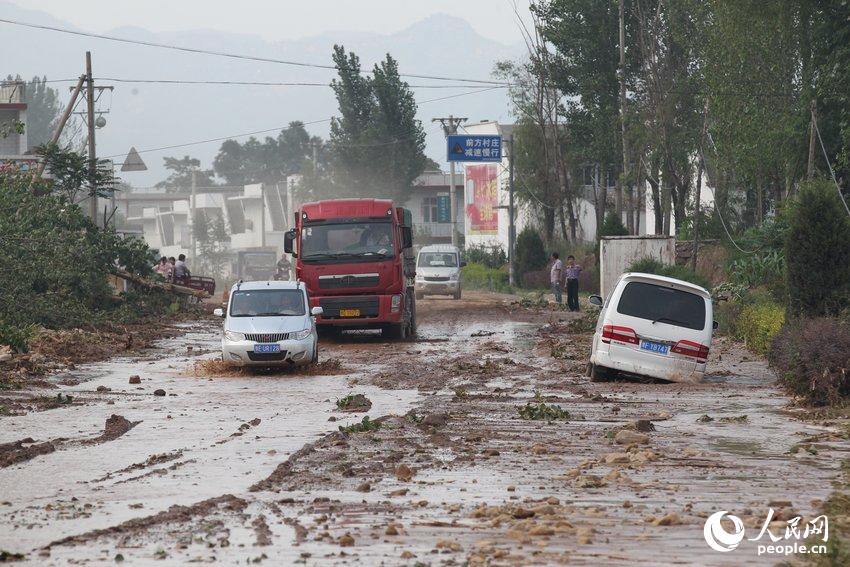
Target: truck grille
(436, 279)
(267, 337)
(348, 280)
(368, 306)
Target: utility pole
(92, 147)
(450, 125)
(810, 170)
(63, 120)
(511, 227)
(262, 215)
(192, 208)
(621, 75)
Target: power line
(224, 53)
(829, 165)
(284, 128)
(266, 83)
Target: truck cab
(355, 257)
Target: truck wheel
(396, 331)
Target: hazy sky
(282, 19)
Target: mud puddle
(447, 470)
(206, 436)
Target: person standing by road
(571, 273)
(555, 274)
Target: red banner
(482, 194)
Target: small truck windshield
(267, 303)
(438, 259)
(345, 240)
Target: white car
(652, 326)
(438, 271)
(269, 323)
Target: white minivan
(269, 323)
(652, 326)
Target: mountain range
(154, 115)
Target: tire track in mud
(175, 514)
(27, 449)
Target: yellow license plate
(349, 313)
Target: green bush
(649, 265)
(530, 252)
(479, 276)
(16, 337)
(812, 359)
(613, 225)
(490, 256)
(763, 269)
(817, 252)
(758, 324)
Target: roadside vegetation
(58, 262)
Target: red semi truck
(356, 258)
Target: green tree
(531, 255)
(377, 145)
(70, 176)
(613, 226)
(585, 36)
(269, 161)
(43, 110)
(817, 252)
(180, 178)
(213, 238)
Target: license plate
(349, 313)
(654, 347)
(267, 348)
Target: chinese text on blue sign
(468, 147)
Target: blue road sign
(444, 209)
(474, 147)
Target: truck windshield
(267, 303)
(438, 260)
(663, 304)
(328, 241)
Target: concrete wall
(616, 253)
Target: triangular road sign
(134, 162)
(457, 149)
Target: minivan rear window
(663, 304)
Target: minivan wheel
(598, 374)
(315, 359)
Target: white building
(13, 110)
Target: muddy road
(193, 462)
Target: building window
(429, 209)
